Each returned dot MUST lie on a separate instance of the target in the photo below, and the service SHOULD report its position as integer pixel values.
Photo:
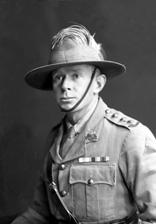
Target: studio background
(127, 30)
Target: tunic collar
(89, 133)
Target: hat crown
(66, 45)
(73, 46)
(69, 52)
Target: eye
(57, 78)
(76, 76)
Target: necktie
(67, 141)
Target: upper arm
(138, 165)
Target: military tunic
(108, 173)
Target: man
(101, 165)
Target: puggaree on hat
(73, 46)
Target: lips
(66, 99)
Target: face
(69, 85)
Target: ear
(100, 81)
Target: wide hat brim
(69, 55)
(41, 78)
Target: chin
(65, 107)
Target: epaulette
(120, 119)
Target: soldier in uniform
(101, 164)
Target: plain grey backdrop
(127, 30)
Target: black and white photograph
(77, 112)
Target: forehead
(74, 68)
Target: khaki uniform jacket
(108, 173)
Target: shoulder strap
(120, 119)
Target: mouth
(67, 99)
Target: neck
(75, 116)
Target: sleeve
(38, 212)
(138, 165)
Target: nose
(66, 83)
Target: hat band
(76, 54)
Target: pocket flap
(97, 173)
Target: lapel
(89, 134)
(54, 150)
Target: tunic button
(62, 167)
(63, 193)
(90, 181)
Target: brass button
(63, 193)
(62, 166)
(90, 181)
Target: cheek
(55, 92)
(56, 88)
(79, 90)
(81, 86)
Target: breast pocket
(93, 189)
